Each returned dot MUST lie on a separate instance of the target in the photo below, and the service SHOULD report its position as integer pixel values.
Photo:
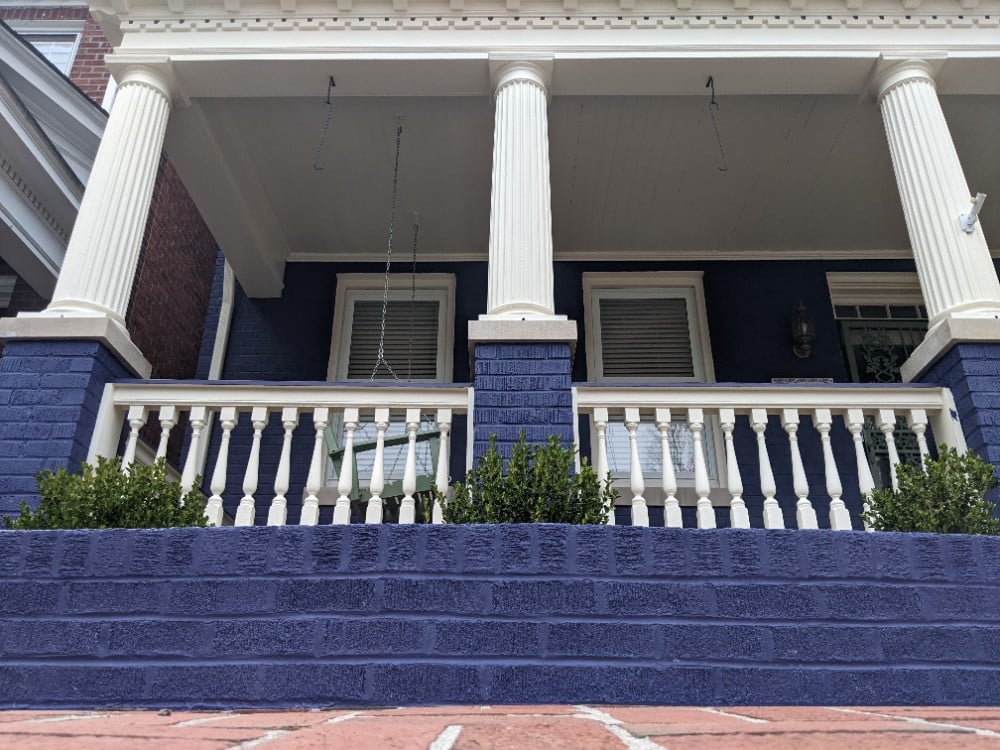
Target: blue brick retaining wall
(50, 392)
(364, 615)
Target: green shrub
(107, 498)
(539, 487)
(947, 496)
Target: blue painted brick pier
(387, 615)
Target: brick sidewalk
(515, 727)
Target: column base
(50, 393)
(523, 382)
(48, 326)
(941, 338)
(964, 356)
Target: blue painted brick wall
(50, 392)
(519, 387)
(972, 372)
(356, 615)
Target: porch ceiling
(632, 176)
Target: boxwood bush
(539, 486)
(105, 497)
(946, 496)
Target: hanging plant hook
(713, 106)
(326, 124)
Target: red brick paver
(513, 727)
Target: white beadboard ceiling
(630, 174)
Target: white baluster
(197, 418)
(866, 482)
(840, 518)
(640, 514)
(245, 513)
(168, 418)
(739, 517)
(671, 508)
(441, 478)
(277, 515)
(345, 483)
(136, 421)
(601, 426)
(310, 506)
(374, 512)
(805, 515)
(213, 508)
(773, 518)
(408, 506)
(705, 511)
(918, 425)
(887, 424)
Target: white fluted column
(520, 266)
(103, 251)
(955, 269)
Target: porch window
(419, 331)
(6, 290)
(650, 328)
(417, 345)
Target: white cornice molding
(659, 256)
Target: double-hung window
(651, 328)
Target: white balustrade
(343, 409)
(408, 506)
(739, 516)
(601, 466)
(314, 482)
(278, 513)
(700, 457)
(640, 514)
(136, 421)
(668, 477)
(773, 518)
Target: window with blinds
(410, 344)
(6, 290)
(645, 338)
(58, 49)
(419, 327)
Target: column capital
(891, 71)
(155, 72)
(507, 69)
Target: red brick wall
(89, 72)
(171, 290)
(172, 284)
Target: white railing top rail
(744, 397)
(303, 395)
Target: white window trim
(874, 288)
(369, 286)
(677, 284)
(41, 27)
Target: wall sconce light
(803, 332)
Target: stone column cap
(942, 337)
(530, 331)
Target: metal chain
(413, 295)
(380, 359)
(326, 126)
(713, 107)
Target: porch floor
(520, 727)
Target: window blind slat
(399, 314)
(645, 338)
